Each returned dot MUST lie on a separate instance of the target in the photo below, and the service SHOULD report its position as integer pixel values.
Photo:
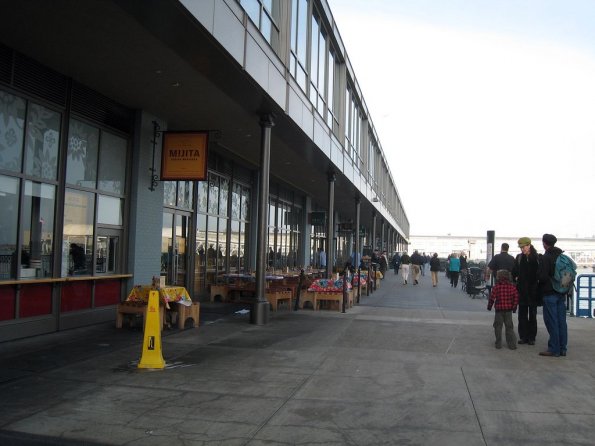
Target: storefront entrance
(174, 248)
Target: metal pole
(260, 309)
(359, 283)
(344, 290)
(373, 231)
(299, 291)
(491, 239)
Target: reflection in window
(83, 145)
(213, 194)
(265, 15)
(78, 233)
(107, 254)
(299, 41)
(12, 128)
(38, 229)
(185, 194)
(236, 198)
(169, 193)
(223, 196)
(203, 195)
(9, 199)
(112, 163)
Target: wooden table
(136, 303)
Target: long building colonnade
(88, 90)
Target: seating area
(281, 291)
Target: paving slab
(410, 365)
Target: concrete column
(373, 231)
(330, 230)
(357, 248)
(260, 309)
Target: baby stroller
(474, 283)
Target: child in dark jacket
(504, 297)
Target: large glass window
(12, 131)
(299, 42)
(331, 118)
(109, 210)
(318, 66)
(265, 15)
(43, 137)
(112, 163)
(178, 194)
(29, 147)
(313, 63)
(221, 230)
(284, 235)
(83, 147)
(38, 230)
(353, 123)
(93, 221)
(77, 249)
(9, 201)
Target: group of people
(525, 283)
(415, 264)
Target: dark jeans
(527, 322)
(554, 316)
(454, 278)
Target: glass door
(107, 251)
(174, 248)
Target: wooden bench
(306, 296)
(279, 296)
(219, 290)
(136, 308)
(185, 312)
(337, 298)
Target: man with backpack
(556, 279)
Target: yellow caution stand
(152, 357)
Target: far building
(582, 250)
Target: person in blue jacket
(454, 267)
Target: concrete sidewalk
(410, 365)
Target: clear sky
(485, 110)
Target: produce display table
(187, 312)
(167, 294)
(136, 308)
(330, 291)
(136, 303)
(275, 297)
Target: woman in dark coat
(525, 271)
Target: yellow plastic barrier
(152, 357)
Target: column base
(260, 313)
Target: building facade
(582, 250)
(88, 91)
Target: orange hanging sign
(184, 156)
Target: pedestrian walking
(405, 262)
(454, 267)
(434, 269)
